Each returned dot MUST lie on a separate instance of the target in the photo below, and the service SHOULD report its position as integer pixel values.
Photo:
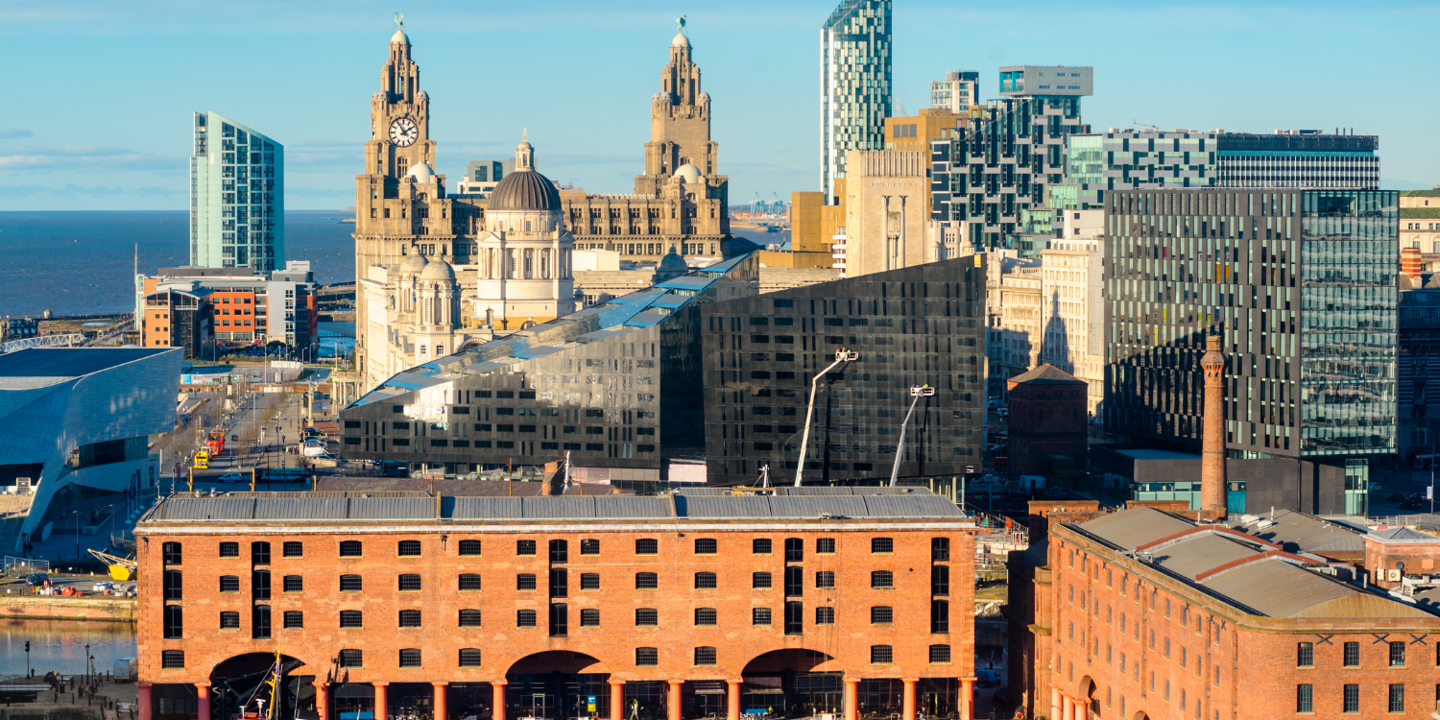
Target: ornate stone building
(435, 272)
(679, 204)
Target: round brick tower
(1212, 463)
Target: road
(268, 434)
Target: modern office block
(237, 197)
(854, 85)
(612, 387)
(914, 326)
(243, 307)
(1302, 287)
(991, 172)
(1046, 81)
(957, 92)
(1151, 159)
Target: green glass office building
(1302, 287)
(854, 85)
(237, 197)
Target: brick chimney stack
(1212, 463)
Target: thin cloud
(15, 134)
(71, 190)
(86, 157)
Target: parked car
(37, 579)
(1395, 497)
(232, 477)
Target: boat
(121, 569)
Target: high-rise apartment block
(957, 92)
(1301, 285)
(1153, 159)
(992, 172)
(854, 85)
(237, 197)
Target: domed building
(523, 261)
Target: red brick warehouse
(701, 603)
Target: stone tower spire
(679, 122)
(1212, 464)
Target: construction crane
(1137, 123)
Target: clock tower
(401, 211)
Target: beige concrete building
(1021, 321)
(679, 204)
(885, 212)
(1420, 225)
(1074, 315)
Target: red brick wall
(1046, 420)
(1419, 559)
(613, 643)
(1255, 657)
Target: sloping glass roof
(642, 308)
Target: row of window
(644, 657)
(1305, 654)
(558, 549)
(1350, 698)
(824, 579)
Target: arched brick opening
(795, 682)
(556, 683)
(240, 683)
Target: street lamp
(841, 356)
(916, 392)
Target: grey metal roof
(1192, 556)
(1134, 527)
(1402, 534)
(917, 504)
(1298, 532)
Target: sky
(99, 95)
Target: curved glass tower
(237, 197)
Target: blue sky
(99, 95)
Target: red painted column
(497, 699)
(732, 699)
(907, 703)
(442, 695)
(617, 698)
(202, 700)
(382, 700)
(143, 701)
(674, 700)
(852, 698)
(967, 698)
(322, 700)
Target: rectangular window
(524, 547)
(229, 620)
(230, 549)
(294, 619)
(882, 545)
(469, 548)
(705, 581)
(760, 580)
(171, 554)
(647, 546)
(350, 583)
(293, 549)
(1351, 699)
(589, 547)
(647, 581)
(760, 546)
(825, 579)
(705, 655)
(794, 581)
(1397, 654)
(760, 616)
(824, 616)
(409, 618)
(647, 617)
(469, 657)
(882, 579)
(589, 617)
(939, 653)
(940, 549)
(525, 581)
(350, 548)
(706, 546)
(410, 657)
(469, 618)
(794, 618)
(825, 546)
(352, 658)
(647, 657)
(352, 619)
(174, 622)
(229, 583)
(172, 659)
(525, 618)
(293, 583)
(1305, 655)
(470, 581)
(881, 654)
(1352, 654)
(882, 615)
(409, 548)
(1397, 698)
(559, 619)
(705, 616)
(939, 616)
(589, 581)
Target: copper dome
(524, 190)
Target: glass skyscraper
(1301, 285)
(237, 197)
(854, 85)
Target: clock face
(404, 132)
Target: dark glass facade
(919, 325)
(609, 386)
(1302, 286)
